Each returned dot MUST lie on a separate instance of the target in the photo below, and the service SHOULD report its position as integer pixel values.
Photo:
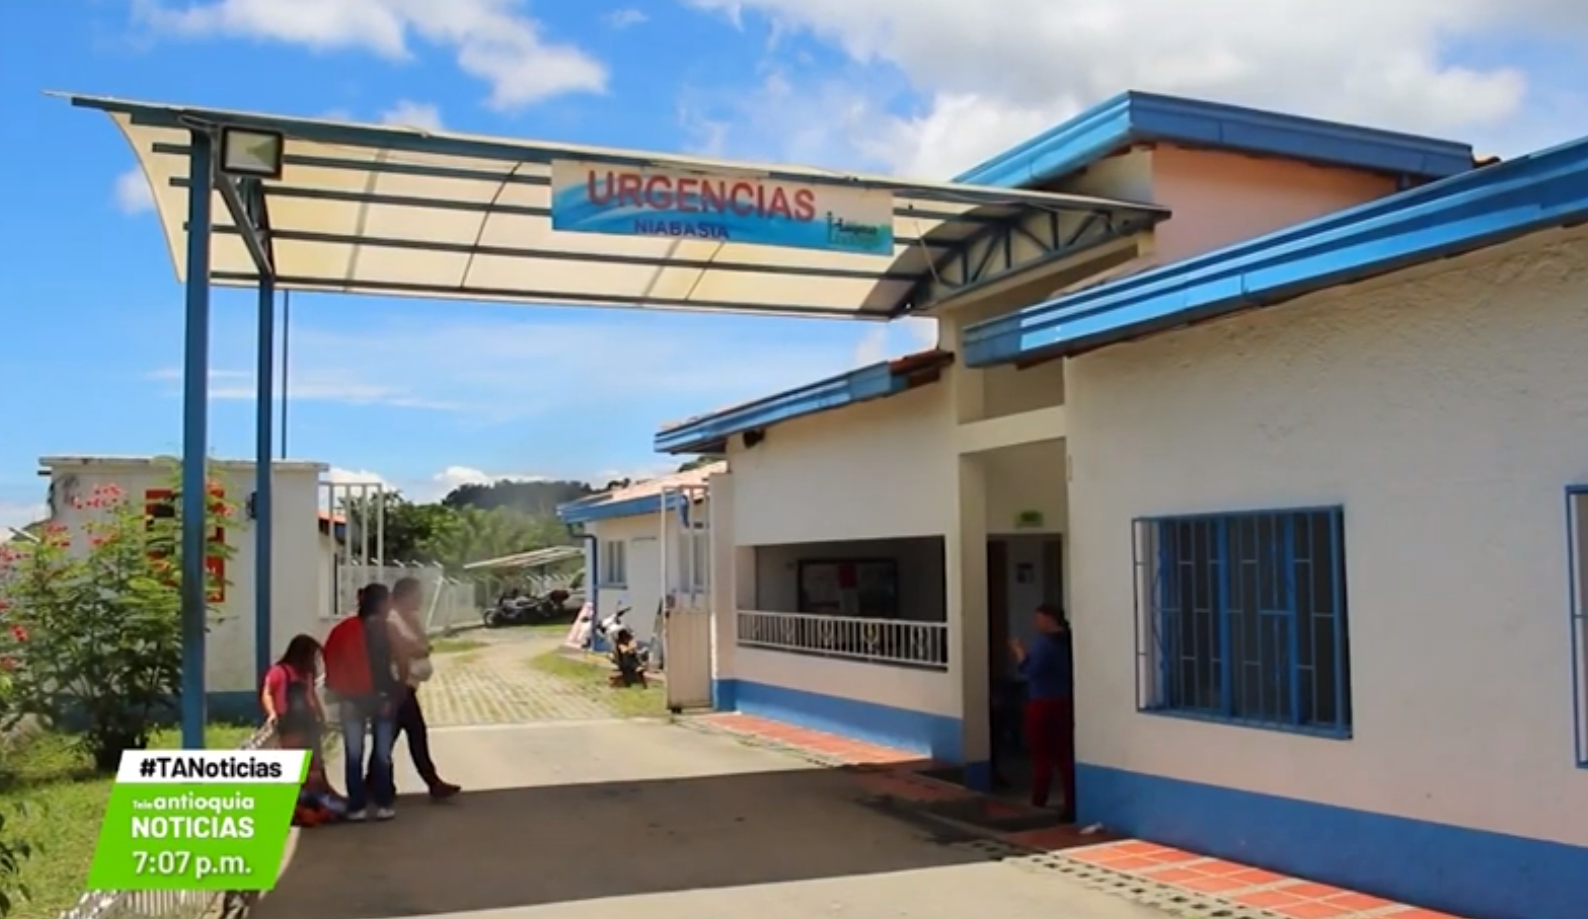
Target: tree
(407, 526)
(697, 462)
(476, 535)
(534, 499)
(93, 632)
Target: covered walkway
(284, 203)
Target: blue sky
(427, 394)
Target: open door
(686, 619)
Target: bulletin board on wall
(849, 587)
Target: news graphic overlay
(198, 820)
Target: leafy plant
(92, 642)
(13, 852)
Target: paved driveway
(573, 819)
(494, 684)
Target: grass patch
(590, 675)
(455, 645)
(65, 802)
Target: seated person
(626, 655)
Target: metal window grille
(1242, 618)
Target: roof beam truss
(1017, 245)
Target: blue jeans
(358, 719)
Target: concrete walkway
(569, 819)
(494, 684)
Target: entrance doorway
(1023, 572)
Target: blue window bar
(1241, 618)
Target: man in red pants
(1048, 669)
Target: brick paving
(1172, 879)
(496, 685)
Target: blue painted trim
(723, 696)
(1577, 629)
(195, 442)
(937, 736)
(1136, 117)
(709, 433)
(1467, 872)
(1448, 218)
(597, 507)
(1224, 600)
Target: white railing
(447, 603)
(878, 641)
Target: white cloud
(340, 476)
(492, 40)
(13, 514)
(624, 18)
(895, 339)
(422, 115)
(314, 384)
(132, 193)
(993, 78)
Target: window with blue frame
(1242, 618)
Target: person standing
(368, 680)
(1048, 668)
(408, 638)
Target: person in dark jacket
(1048, 668)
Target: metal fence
(879, 641)
(166, 904)
(447, 604)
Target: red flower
(19, 633)
(8, 664)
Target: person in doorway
(411, 645)
(369, 680)
(1048, 669)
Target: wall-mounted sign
(1028, 520)
(597, 198)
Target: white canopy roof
(401, 211)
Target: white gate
(686, 569)
(352, 543)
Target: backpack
(346, 658)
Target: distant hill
(533, 499)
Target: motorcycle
(527, 610)
(630, 659)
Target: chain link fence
(447, 604)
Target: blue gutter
(1458, 215)
(599, 507)
(1135, 117)
(709, 433)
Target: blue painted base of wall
(1467, 872)
(937, 736)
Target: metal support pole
(286, 363)
(195, 441)
(264, 479)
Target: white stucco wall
(296, 592)
(643, 587)
(1443, 409)
(870, 471)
